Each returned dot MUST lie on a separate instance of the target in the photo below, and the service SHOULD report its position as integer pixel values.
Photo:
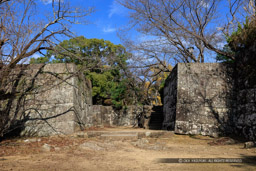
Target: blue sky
(104, 22)
(108, 17)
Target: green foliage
(101, 84)
(241, 39)
(223, 58)
(104, 63)
(107, 88)
(40, 60)
(90, 52)
(244, 37)
(119, 93)
(242, 44)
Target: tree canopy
(103, 62)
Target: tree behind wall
(24, 31)
(182, 30)
(174, 31)
(103, 62)
(242, 43)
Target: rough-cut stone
(195, 98)
(101, 116)
(170, 100)
(209, 99)
(30, 140)
(81, 135)
(129, 116)
(145, 117)
(249, 144)
(91, 146)
(148, 134)
(245, 113)
(198, 99)
(120, 136)
(46, 147)
(59, 103)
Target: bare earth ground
(75, 152)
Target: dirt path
(76, 153)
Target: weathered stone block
(59, 102)
(194, 93)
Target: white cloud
(116, 8)
(220, 45)
(36, 55)
(46, 2)
(143, 38)
(204, 4)
(108, 29)
(26, 60)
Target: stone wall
(128, 116)
(101, 116)
(245, 113)
(245, 90)
(170, 100)
(197, 99)
(59, 102)
(210, 99)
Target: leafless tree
(24, 31)
(172, 31)
(183, 30)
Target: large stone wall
(59, 103)
(101, 116)
(245, 113)
(197, 99)
(132, 115)
(170, 100)
(245, 107)
(209, 99)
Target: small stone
(81, 135)
(30, 140)
(57, 148)
(91, 146)
(215, 135)
(148, 134)
(144, 141)
(46, 147)
(249, 144)
(26, 141)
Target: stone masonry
(197, 99)
(170, 100)
(132, 115)
(59, 103)
(245, 110)
(203, 99)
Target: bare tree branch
(184, 24)
(25, 31)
